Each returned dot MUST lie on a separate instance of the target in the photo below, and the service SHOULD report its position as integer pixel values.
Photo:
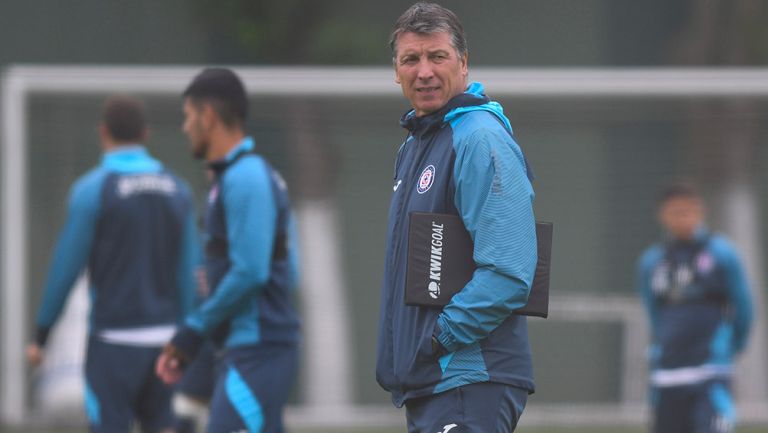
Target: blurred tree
(288, 32)
(687, 32)
(723, 142)
(722, 33)
(261, 30)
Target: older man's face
(429, 70)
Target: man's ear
(105, 138)
(102, 130)
(208, 116)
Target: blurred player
(193, 393)
(465, 367)
(698, 303)
(130, 224)
(251, 263)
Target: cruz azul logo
(213, 194)
(705, 263)
(426, 179)
(435, 260)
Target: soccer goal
(333, 131)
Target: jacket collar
(700, 239)
(130, 159)
(244, 147)
(433, 121)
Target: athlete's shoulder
(85, 193)
(182, 186)
(722, 247)
(650, 256)
(90, 182)
(247, 177)
(477, 117)
(250, 166)
(481, 133)
(478, 123)
(480, 139)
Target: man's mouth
(426, 89)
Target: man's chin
(428, 107)
(426, 111)
(198, 152)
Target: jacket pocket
(418, 366)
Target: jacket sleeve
(643, 287)
(738, 296)
(71, 252)
(643, 281)
(190, 260)
(494, 198)
(250, 213)
(294, 257)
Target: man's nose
(424, 71)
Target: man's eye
(408, 60)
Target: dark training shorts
(476, 408)
(703, 408)
(121, 386)
(252, 388)
(200, 376)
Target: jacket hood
(473, 99)
(130, 159)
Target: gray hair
(426, 19)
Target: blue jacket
(131, 223)
(698, 304)
(461, 160)
(251, 255)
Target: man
(699, 309)
(465, 367)
(251, 266)
(131, 224)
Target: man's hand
(181, 350)
(170, 365)
(34, 354)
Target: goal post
(21, 82)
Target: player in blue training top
(130, 223)
(251, 266)
(699, 306)
(465, 367)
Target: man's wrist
(186, 343)
(444, 336)
(437, 349)
(41, 335)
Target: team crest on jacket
(426, 179)
(213, 194)
(705, 263)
